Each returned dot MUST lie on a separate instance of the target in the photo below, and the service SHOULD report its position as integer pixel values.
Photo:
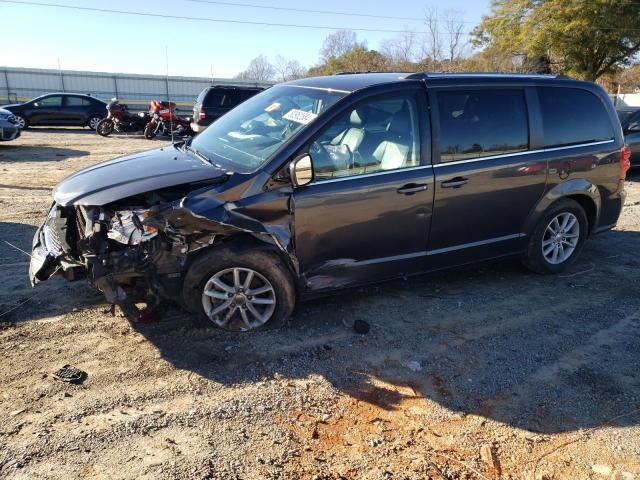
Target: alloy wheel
(560, 238)
(21, 121)
(93, 122)
(238, 299)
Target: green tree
(359, 59)
(581, 38)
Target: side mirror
(301, 170)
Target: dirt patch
(540, 371)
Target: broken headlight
(127, 227)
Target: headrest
(356, 119)
(401, 122)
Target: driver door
(365, 217)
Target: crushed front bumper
(49, 245)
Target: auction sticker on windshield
(299, 116)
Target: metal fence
(21, 84)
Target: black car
(332, 182)
(60, 109)
(215, 101)
(630, 121)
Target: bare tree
(288, 69)
(259, 69)
(432, 49)
(339, 43)
(400, 50)
(454, 30)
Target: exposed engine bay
(142, 242)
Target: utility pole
(61, 76)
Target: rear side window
(573, 116)
(77, 102)
(482, 123)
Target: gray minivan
(325, 183)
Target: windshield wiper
(198, 154)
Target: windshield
(248, 135)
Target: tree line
(585, 39)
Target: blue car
(9, 127)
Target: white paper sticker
(299, 116)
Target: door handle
(411, 188)
(455, 182)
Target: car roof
(67, 94)
(350, 82)
(243, 87)
(628, 109)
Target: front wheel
(240, 290)
(149, 132)
(105, 127)
(22, 121)
(558, 237)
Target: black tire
(219, 259)
(534, 258)
(149, 133)
(93, 120)
(105, 127)
(23, 120)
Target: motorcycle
(164, 121)
(120, 119)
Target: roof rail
(356, 73)
(423, 75)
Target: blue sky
(112, 42)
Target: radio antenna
(171, 112)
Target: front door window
(376, 136)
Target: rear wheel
(93, 121)
(240, 290)
(558, 237)
(105, 127)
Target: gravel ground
(482, 373)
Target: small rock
(326, 417)
(601, 469)
(489, 457)
(16, 412)
(413, 366)
(619, 475)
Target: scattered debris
(16, 412)
(70, 374)
(488, 456)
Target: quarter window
(77, 102)
(377, 136)
(481, 123)
(573, 116)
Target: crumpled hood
(133, 174)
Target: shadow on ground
(542, 353)
(44, 153)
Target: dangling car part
(121, 120)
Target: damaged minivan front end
(115, 243)
(207, 222)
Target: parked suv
(332, 182)
(215, 101)
(60, 109)
(630, 121)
